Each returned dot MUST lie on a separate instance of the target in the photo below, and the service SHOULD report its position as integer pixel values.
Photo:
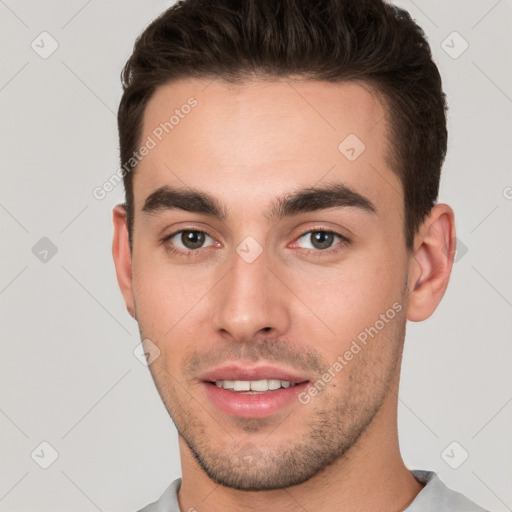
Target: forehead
(248, 140)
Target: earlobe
(122, 257)
(431, 264)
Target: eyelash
(315, 253)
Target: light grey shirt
(434, 497)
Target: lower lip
(257, 405)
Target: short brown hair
(332, 40)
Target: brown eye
(321, 239)
(193, 239)
(186, 240)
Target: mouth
(252, 392)
(255, 386)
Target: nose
(251, 300)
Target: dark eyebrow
(301, 201)
(322, 197)
(187, 199)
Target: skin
(247, 145)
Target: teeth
(258, 385)
(242, 385)
(254, 385)
(274, 384)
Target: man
(282, 163)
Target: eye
(186, 241)
(322, 241)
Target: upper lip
(238, 372)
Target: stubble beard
(328, 435)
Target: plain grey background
(68, 374)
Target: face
(290, 274)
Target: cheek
(351, 296)
(157, 295)
(170, 300)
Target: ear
(122, 257)
(432, 261)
